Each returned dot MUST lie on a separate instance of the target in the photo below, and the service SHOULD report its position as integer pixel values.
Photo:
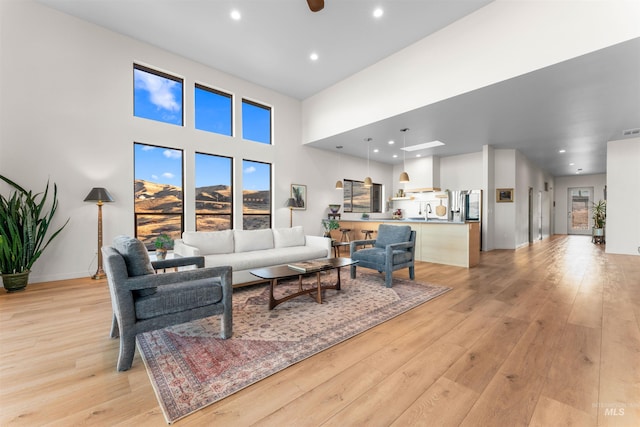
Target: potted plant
(599, 212)
(24, 222)
(163, 243)
(328, 225)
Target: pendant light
(367, 181)
(339, 185)
(404, 176)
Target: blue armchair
(143, 301)
(393, 249)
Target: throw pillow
(253, 240)
(210, 242)
(136, 259)
(287, 237)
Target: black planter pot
(15, 282)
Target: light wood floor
(547, 335)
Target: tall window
(158, 198)
(256, 122)
(157, 95)
(256, 195)
(214, 194)
(213, 110)
(358, 198)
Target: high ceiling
(577, 105)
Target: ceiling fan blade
(315, 5)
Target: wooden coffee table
(279, 272)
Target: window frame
(264, 107)
(270, 214)
(215, 92)
(165, 75)
(375, 197)
(231, 192)
(136, 213)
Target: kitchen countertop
(411, 220)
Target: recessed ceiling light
(571, 164)
(395, 156)
(235, 15)
(313, 56)
(378, 12)
(418, 155)
(375, 150)
(391, 142)
(423, 146)
(562, 151)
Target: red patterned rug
(190, 367)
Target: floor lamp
(291, 203)
(100, 196)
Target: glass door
(579, 218)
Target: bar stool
(345, 235)
(368, 234)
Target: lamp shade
(291, 203)
(404, 177)
(368, 182)
(98, 194)
(339, 185)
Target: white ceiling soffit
(270, 45)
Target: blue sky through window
(256, 175)
(213, 111)
(158, 164)
(156, 97)
(212, 170)
(256, 123)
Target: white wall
(66, 115)
(623, 203)
(505, 213)
(461, 172)
(499, 41)
(562, 185)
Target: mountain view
(155, 203)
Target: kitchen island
(437, 241)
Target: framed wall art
(504, 195)
(299, 194)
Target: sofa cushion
(136, 258)
(287, 237)
(241, 261)
(389, 234)
(210, 242)
(252, 240)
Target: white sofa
(245, 250)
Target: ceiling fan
(315, 5)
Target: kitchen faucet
(427, 211)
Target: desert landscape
(158, 209)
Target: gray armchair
(393, 249)
(143, 301)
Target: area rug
(190, 367)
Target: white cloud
(154, 176)
(159, 89)
(250, 169)
(168, 175)
(148, 148)
(172, 154)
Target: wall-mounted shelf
(401, 198)
(423, 190)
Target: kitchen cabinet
(440, 242)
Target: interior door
(579, 204)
